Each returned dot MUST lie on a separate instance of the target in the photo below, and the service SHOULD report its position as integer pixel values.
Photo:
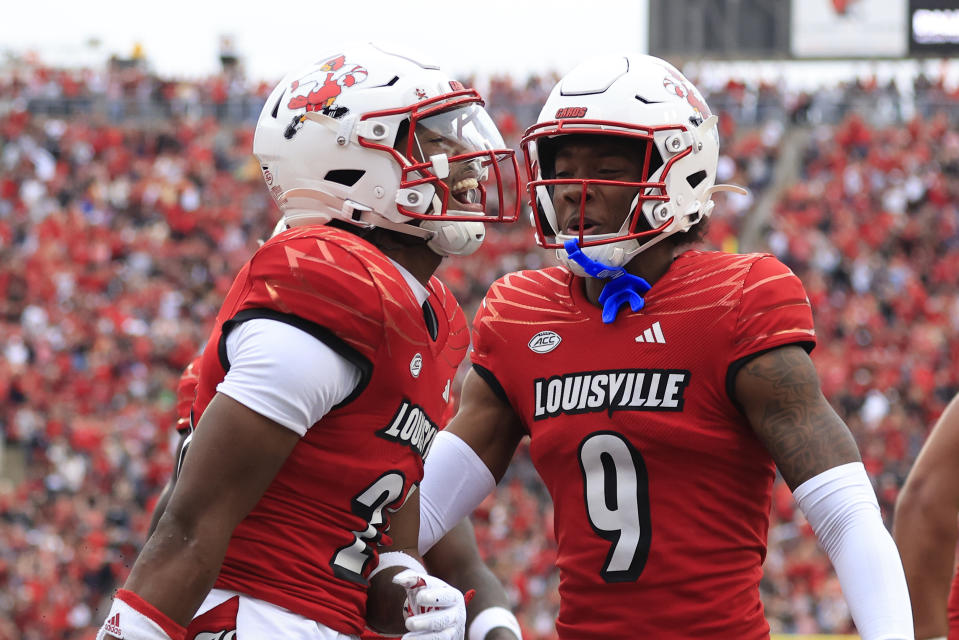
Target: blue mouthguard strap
(621, 288)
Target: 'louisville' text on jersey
(411, 426)
(609, 391)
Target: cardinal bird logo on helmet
(319, 89)
(675, 84)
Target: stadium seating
(128, 201)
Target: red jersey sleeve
(185, 392)
(773, 311)
(490, 346)
(457, 344)
(954, 607)
(323, 286)
(483, 340)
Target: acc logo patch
(416, 365)
(544, 342)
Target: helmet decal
(570, 112)
(275, 190)
(318, 90)
(674, 83)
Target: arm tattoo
(781, 394)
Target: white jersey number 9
(617, 502)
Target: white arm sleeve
(455, 481)
(841, 506)
(285, 374)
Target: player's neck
(650, 265)
(418, 260)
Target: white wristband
(130, 619)
(397, 559)
(489, 619)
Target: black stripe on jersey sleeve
(319, 332)
(491, 380)
(737, 366)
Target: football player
(925, 530)
(455, 559)
(328, 368)
(660, 387)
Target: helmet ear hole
(345, 177)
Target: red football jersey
(185, 393)
(661, 490)
(310, 542)
(954, 608)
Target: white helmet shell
(377, 138)
(632, 96)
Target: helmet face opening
(451, 146)
(640, 193)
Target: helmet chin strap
(371, 219)
(443, 237)
(622, 288)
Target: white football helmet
(634, 97)
(380, 139)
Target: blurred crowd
(128, 202)
(872, 229)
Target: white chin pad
(454, 238)
(613, 254)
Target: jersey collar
(420, 292)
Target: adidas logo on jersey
(412, 427)
(112, 626)
(653, 334)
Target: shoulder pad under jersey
(330, 278)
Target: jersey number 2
(616, 489)
(349, 562)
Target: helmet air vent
(695, 178)
(276, 107)
(393, 81)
